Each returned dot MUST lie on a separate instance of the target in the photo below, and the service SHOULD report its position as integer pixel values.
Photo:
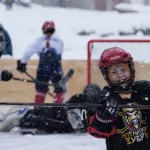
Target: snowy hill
(25, 24)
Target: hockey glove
(6, 75)
(109, 110)
(21, 67)
(60, 87)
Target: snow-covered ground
(24, 25)
(50, 142)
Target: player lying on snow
(52, 119)
(123, 128)
(4, 74)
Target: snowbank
(24, 24)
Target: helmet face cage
(49, 31)
(119, 73)
(122, 87)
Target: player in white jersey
(49, 47)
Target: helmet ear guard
(113, 56)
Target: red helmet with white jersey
(48, 27)
(117, 67)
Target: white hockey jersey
(39, 46)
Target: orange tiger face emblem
(132, 118)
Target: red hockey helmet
(48, 27)
(116, 55)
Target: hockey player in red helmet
(123, 128)
(112, 61)
(49, 47)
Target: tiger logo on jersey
(132, 118)
(135, 128)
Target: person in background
(5, 75)
(7, 46)
(49, 48)
(9, 4)
(52, 119)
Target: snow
(139, 51)
(135, 7)
(25, 24)
(46, 142)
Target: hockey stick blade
(68, 75)
(82, 105)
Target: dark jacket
(55, 119)
(130, 130)
(8, 46)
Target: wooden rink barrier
(16, 91)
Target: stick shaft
(23, 80)
(73, 105)
(36, 82)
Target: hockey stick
(23, 80)
(64, 80)
(31, 81)
(36, 82)
(82, 105)
(49, 119)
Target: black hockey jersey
(131, 129)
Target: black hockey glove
(6, 75)
(21, 67)
(108, 111)
(60, 87)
